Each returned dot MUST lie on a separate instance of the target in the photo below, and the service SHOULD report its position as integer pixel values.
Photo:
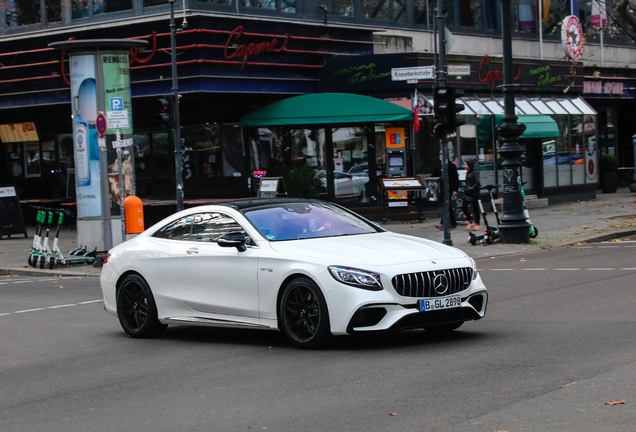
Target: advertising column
(119, 134)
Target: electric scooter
(45, 253)
(534, 231)
(37, 239)
(491, 233)
(57, 257)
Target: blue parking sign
(116, 104)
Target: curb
(49, 273)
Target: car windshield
(306, 220)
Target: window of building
(80, 9)
(345, 8)
(143, 162)
(106, 6)
(53, 10)
(154, 2)
(161, 154)
(261, 4)
(525, 16)
(387, 10)
(22, 12)
(577, 149)
(224, 2)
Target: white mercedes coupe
(310, 268)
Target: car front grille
(435, 283)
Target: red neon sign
(492, 76)
(244, 51)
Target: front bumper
(375, 317)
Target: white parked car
(309, 268)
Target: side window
(177, 230)
(208, 227)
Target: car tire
(303, 315)
(443, 328)
(136, 308)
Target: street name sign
(413, 73)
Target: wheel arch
(282, 287)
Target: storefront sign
(394, 137)
(244, 51)
(492, 76)
(603, 88)
(572, 36)
(458, 70)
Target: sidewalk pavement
(608, 217)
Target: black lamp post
(513, 227)
(175, 106)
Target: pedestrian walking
(453, 186)
(470, 206)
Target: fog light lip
(370, 320)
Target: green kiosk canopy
(537, 126)
(326, 108)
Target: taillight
(107, 258)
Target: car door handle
(192, 251)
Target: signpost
(100, 125)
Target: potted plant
(608, 167)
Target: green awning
(327, 108)
(537, 126)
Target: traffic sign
(100, 124)
(412, 73)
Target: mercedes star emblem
(440, 284)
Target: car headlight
(356, 278)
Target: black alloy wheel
(136, 308)
(303, 315)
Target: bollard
(134, 211)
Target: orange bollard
(134, 210)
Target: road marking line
(3, 314)
(28, 310)
(629, 268)
(16, 282)
(600, 269)
(567, 269)
(534, 269)
(61, 306)
(501, 269)
(91, 301)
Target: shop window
(590, 148)
(577, 149)
(563, 158)
(548, 148)
(232, 149)
(143, 162)
(345, 8)
(14, 153)
(32, 160)
(161, 154)
(351, 163)
(22, 12)
(106, 6)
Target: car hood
(377, 249)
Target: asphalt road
(556, 344)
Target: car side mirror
(235, 239)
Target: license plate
(431, 304)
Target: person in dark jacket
(472, 196)
(453, 186)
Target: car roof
(253, 203)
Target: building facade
(237, 56)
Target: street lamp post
(178, 160)
(514, 228)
